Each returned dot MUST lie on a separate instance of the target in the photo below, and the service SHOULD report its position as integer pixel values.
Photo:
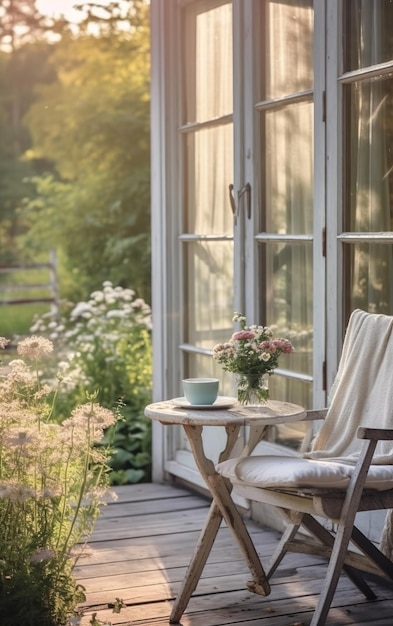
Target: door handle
(235, 202)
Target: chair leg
(335, 566)
(344, 531)
(362, 542)
(281, 549)
(324, 536)
(327, 539)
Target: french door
(237, 203)
(271, 189)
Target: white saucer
(222, 402)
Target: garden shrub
(104, 345)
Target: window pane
(368, 268)
(201, 366)
(368, 27)
(289, 298)
(289, 169)
(369, 146)
(288, 37)
(209, 171)
(291, 435)
(208, 292)
(208, 60)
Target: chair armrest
(311, 415)
(315, 414)
(384, 434)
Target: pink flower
(268, 346)
(242, 335)
(284, 345)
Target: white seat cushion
(292, 472)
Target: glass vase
(252, 391)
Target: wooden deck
(142, 545)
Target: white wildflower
(80, 310)
(35, 347)
(4, 342)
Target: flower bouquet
(252, 353)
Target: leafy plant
(105, 347)
(53, 480)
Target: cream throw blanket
(361, 395)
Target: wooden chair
(349, 467)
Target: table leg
(255, 436)
(220, 489)
(197, 563)
(205, 541)
(221, 494)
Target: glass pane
(209, 171)
(368, 27)
(287, 270)
(199, 365)
(292, 390)
(208, 292)
(289, 169)
(208, 60)
(288, 47)
(291, 435)
(368, 267)
(369, 146)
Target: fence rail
(50, 286)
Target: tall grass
(22, 284)
(16, 319)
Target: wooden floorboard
(141, 547)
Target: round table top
(272, 412)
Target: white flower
(4, 342)
(114, 313)
(35, 347)
(128, 294)
(98, 296)
(80, 309)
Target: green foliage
(74, 155)
(20, 20)
(105, 346)
(20, 71)
(39, 595)
(93, 124)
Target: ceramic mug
(200, 390)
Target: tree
(93, 123)
(27, 66)
(23, 62)
(20, 22)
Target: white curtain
(370, 109)
(208, 171)
(288, 183)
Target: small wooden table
(222, 507)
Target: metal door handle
(235, 203)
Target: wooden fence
(49, 287)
